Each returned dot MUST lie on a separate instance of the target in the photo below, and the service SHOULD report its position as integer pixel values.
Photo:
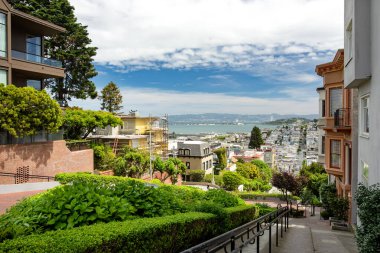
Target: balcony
(36, 59)
(342, 118)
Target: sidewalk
(314, 235)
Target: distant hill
(222, 118)
(287, 121)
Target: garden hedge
(263, 195)
(161, 234)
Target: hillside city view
(189, 126)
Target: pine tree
(111, 98)
(71, 47)
(256, 139)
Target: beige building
(137, 132)
(196, 155)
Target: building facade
(196, 155)
(22, 60)
(336, 124)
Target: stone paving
(309, 235)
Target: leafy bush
(265, 172)
(163, 234)
(104, 158)
(368, 232)
(232, 180)
(196, 175)
(264, 209)
(247, 170)
(263, 195)
(218, 179)
(222, 197)
(325, 215)
(84, 177)
(334, 205)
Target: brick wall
(46, 159)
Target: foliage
(196, 175)
(104, 158)
(85, 177)
(285, 182)
(264, 209)
(221, 153)
(308, 198)
(80, 123)
(314, 176)
(256, 139)
(247, 170)
(335, 206)
(368, 232)
(132, 163)
(111, 98)
(222, 197)
(161, 234)
(71, 47)
(265, 172)
(171, 168)
(217, 178)
(232, 180)
(25, 111)
(263, 195)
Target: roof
(335, 65)
(125, 137)
(48, 28)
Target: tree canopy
(256, 138)
(132, 163)
(285, 182)
(265, 171)
(247, 170)
(111, 98)
(170, 168)
(80, 123)
(221, 153)
(25, 111)
(71, 47)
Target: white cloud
(137, 32)
(148, 100)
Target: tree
(265, 172)
(247, 170)
(171, 168)
(232, 180)
(285, 182)
(25, 111)
(256, 139)
(70, 47)
(104, 158)
(316, 176)
(111, 98)
(221, 153)
(80, 123)
(132, 163)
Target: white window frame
(363, 126)
(6, 76)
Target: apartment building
(137, 132)
(23, 63)
(336, 123)
(321, 124)
(362, 64)
(22, 59)
(196, 155)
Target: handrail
(342, 117)
(248, 233)
(15, 175)
(36, 58)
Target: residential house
(138, 132)
(338, 123)
(362, 64)
(196, 155)
(321, 124)
(23, 63)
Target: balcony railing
(36, 58)
(342, 118)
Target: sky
(212, 56)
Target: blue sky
(199, 56)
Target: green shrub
(264, 209)
(247, 170)
(334, 205)
(163, 234)
(325, 215)
(232, 180)
(222, 197)
(83, 177)
(104, 158)
(263, 195)
(368, 232)
(196, 175)
(218, 179)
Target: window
(33, 48)
(35, 84)
(365, 172)
(335, 153)
(365, 115)
(323, 145)
(3, 76)
(188, 165)
(187, 151)
(3, 35)
(336, 100)
(323, 109)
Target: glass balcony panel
(35, 58)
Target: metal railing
(248, 234)
(16, 176)
(342, 118)
(36, 58)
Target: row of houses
(349, 141)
